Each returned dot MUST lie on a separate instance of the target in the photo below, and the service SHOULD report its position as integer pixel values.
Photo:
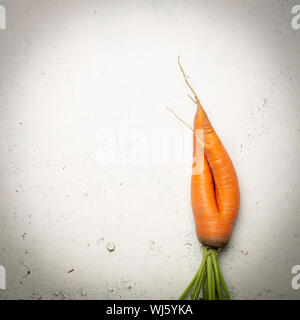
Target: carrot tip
(186, 79)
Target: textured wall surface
(95, 172)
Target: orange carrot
(215, 190)
(215, 201)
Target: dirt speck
(27, 267)
(110, 289)
(100, 239)
(59, 295)
(188, 244)
(83, 293)
(126, 284)
(111, 246)
(151, 244)
(70, 271)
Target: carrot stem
(223, 282)
(216, 271)
(201, 269)
(203, 286)
(187, 290)
(196, 283)
(200, 285)
(208, 281)
(206, 290)
(209, 278)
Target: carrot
(215, 200)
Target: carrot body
(214, 187)
(215, 200)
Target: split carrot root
(215, 200)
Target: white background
(71, 70)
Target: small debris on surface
(126, 284)
(151, 244)
(59, 294)
(101, 238)
(188, 244)
(110, 289)
(265, 101)
(28, 269)
(111, 246)
(83, 293)
(70, 271)
(244, 252)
